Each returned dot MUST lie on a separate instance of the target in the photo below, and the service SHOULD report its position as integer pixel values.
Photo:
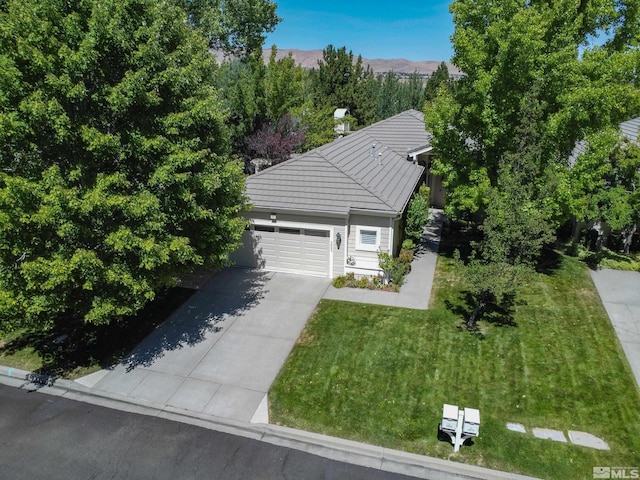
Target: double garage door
(280, 249)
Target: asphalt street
(48, 437)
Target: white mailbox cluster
(460, 424)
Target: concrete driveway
(620, 294)
(220, 351)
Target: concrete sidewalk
(620, 294)
(416, 290)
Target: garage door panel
(316, 251)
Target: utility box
(471, 422)
(449, 417)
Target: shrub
(340, 281)
(394, 269)
(406, 256)
(398, 273)
(417, 216)
(425, 192)
(408, 244)
(344, 280)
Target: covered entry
(286, 249)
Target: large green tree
(516, 223)
(241, 85)
(342, 81)
(235, 27)
(284, 86)
(510, 50)
(536, 82)
(439, 78)
(605, 184)
(114, 167)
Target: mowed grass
(381, 375)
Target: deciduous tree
(114, 167)
(284, 86)
(277, 141)
(241, 87)
(605, 184)
(236, 27)
(508, 49)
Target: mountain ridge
(310, 58)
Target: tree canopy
(114, 167)
(236, 27)
(511, 51)
(537, 81)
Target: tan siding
(365, 258)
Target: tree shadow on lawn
(176, 318)
(549, 262)
(498, 315)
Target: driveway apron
(219, 352)
(620, 294)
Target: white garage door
(281, 249)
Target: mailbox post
(460, 424)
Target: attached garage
(286, 249)
(331, 210)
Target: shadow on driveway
(235, 292)
(220, 351)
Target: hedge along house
(331, 210)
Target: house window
(368, 238)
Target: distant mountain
(309, 59)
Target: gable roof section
(343, 176)
(630, 130)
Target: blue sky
(411, 29)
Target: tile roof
(348, 174)
(630, 130)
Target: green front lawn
(381, 375)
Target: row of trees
(280, 107)
(540, 77)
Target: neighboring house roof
(630, 130)
(347, 174)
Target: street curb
(357, 453)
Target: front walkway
(416, 290)
(620, 294)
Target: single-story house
(330, 211)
